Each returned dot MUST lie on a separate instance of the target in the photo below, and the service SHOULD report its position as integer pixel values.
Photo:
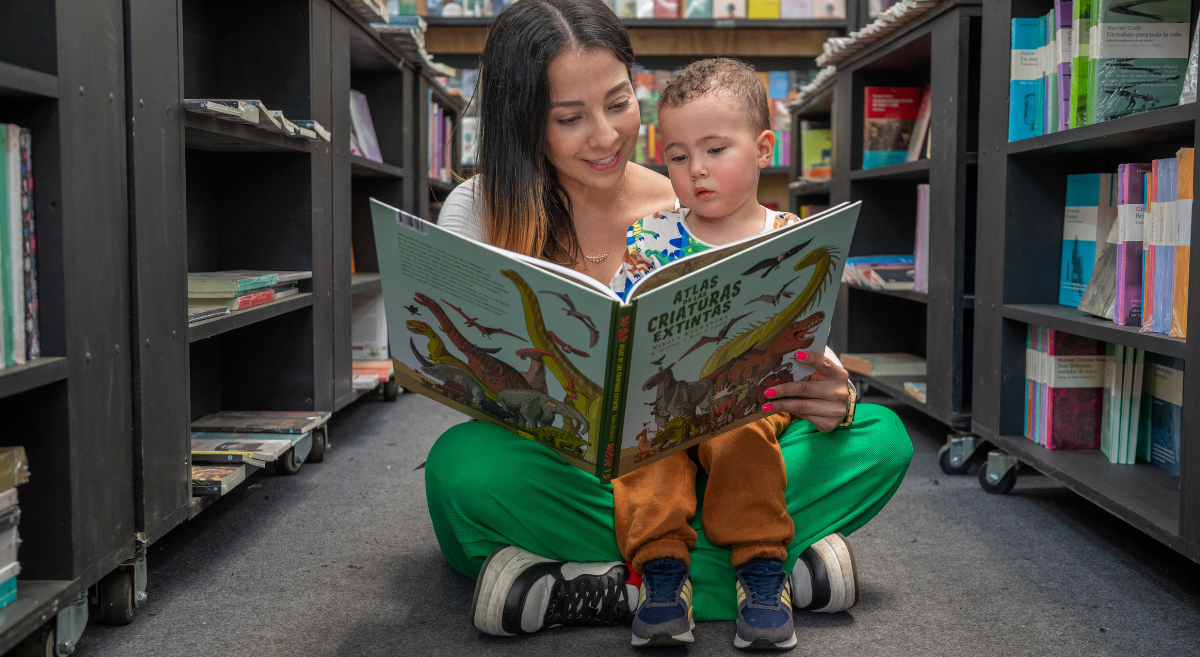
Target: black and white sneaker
(825, 577)
(519, 592)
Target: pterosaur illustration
(593, 334)
(775, 298)
(717, 338)
(413, 310)
(473, 322)
(771, 264)
(659, 361)
(566, 347)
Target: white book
(241, 111)
(645, 8)
(16, 243)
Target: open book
(556, 357)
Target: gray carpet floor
(340, 559)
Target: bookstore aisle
(341, 560)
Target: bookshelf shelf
(201, 502)
(33, 374)
(915, 171)
(239, 318)
(894, 387)
(1168, 126)
(361, 167)
(1072, 320)
(208, 133)
(20, 81)
(364, 282)
(911, 295)
(678, 23)
(809, 188)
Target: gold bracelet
(851, 404)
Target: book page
(708, 344)
(493, 336)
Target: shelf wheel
(59, 636)
(290, 462)
(956, 456)
(998, 474)
(391, 390)
(320, 444)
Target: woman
(558, 123)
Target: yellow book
(762, 9)
(1183, 240)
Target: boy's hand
(821, 399)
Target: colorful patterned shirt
(665, 237)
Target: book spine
(1024, 109)
(6, 321)
(1164, 265)
(1049, 72)
(1184, 163)
(1148, 238)
(1065, 53)
(16, 245)
(1079, 63)
(608, 454)
(33, 343)
(697, 9)
(762, 9)
(1080, 237)
(1106, 410)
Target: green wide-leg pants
(487, 487)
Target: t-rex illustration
(534, 409)
(496, 374)
(676, 398)
(774, 299)
(708, 339)
(749, 367)
(771, 264)
(593, 332)
(473, 322)
(439, 354)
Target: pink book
(1074, 389)
(666, 8)
(1131, 211)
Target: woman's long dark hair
(525, 208)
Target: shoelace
(590, 600)
(765, 580)
(661, 579)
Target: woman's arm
(460, 215)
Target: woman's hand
(820, 400)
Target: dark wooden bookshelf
(20, 81)
(33, 374)
(936, 326)
(364, 282)
(1019, 250)
(361, 167)
(209, 133)
(680, 23)
(239, 318)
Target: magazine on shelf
(251, 448)
(262, 421)
(556, 357)
(216, 479)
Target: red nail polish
(768, 407)
(801, 355)
(770, 393)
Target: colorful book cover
(1131, 211)
(1184, 163)
(762, 9)
(1166, 413)
(234, 281)
(1149, 236)
(1139, 56)
(627, 8)
(1080, 77)
(1063, 13)
(15, 293)
(829, 9)
(1090, 211)
(816, 150)
(795, 9)
(889, 114)
(610, 385)
(666, 8)
(1164, 246)
(729, 8)
(6, 310)
(645, 8)
(363, 126)
(696, 8)
(33, 345)
(920, 128)
(1050, 73)
(1025, 80)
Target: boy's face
(713, 155)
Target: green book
(1080, 71)
(1139, 56)
(611, 385)
(6, 272)
(230, 281)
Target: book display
(899, 106)
(635, 13)
(1109, 283)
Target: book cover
(15, 293)
(921, 247)
(1049, 73)
(816, 150)
(610, 385)
(698, 9)
(1166, 413)
(1164, 245)
(889, 114)
(762, 9)
(1149, 230)
(884, 364)
(6, 282)
(916, 389)
(627, 8)
(201, 313)
(795, 9)
(368, 326)
(33, 342)
(362, 125)
(1064, 38)
(829, 9)
(240, 302)
(1131, 214)
(1081, 11)
(236, 281)
(262, 421)
(729, 8)
(920, 128)
(1139, 56)
(1129, 453)
(1025, 79)
(645, 8)
(666, 8)
(1091, 209)
(1112, 381)
(216, 479)
(1074, 380)
(238, 447)
(1184, 163)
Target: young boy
(715, 122)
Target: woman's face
(594, 118)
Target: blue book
(1090, 212)
(1166, 412)
(779, 83)
(1026, 92)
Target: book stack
(1080, 64)
(1126, 244)
(252, 112)
(836, 49)
(438, 154)
(884, 364)
(1125, 426)
(20, 334)
(369, 373)
(816, 151)
(14, 471)
(1064, 378)
(887, 272)
(211, 294)
(227, 446)
(916, 390)
(891, 117)
(368, 327)
(370, 10)
(363, 140)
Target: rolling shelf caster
(998, 474)
(290, 462)
(956, 456)
(58, 637)
(391, 390)
(122, 591)
(320, 445)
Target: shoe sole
(843, 573)
(764, 644)
(500, 570)
(666, 639)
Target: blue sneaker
(764, 594)
(664, 611)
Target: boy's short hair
(720, 75)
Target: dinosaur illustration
(708, 339)
(473, 322)
(534, 409)
(774, 299)
(771, 264)
(593, 332)
(448, 373)
(566, 347)
(413, 310)
(823, 261)
(676, 398)
(659, 361)
(495, 373)
(438, 353)
(536, 374)
(751, 366)
(561, 439)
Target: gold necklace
(597, 259)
